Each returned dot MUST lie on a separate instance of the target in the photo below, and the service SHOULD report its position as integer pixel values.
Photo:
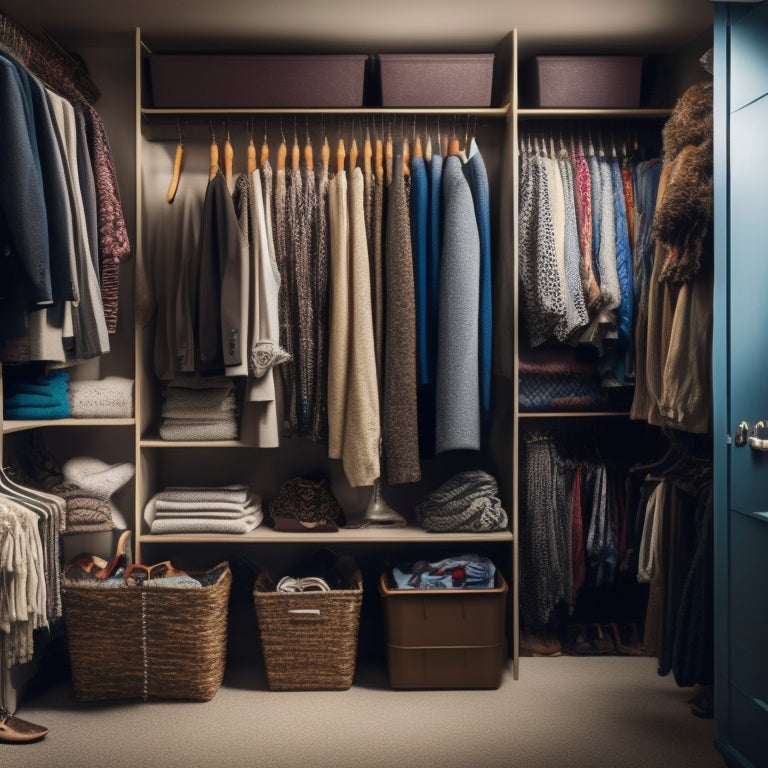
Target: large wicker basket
(309, 639)
(142, 643)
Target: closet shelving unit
(528, 116)
(152, 453)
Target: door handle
(756, 442)
(742, 434)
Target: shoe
(577, 641)
(14, 729)
(602, 640)
(544, 644)
(627, 639)
(117, 559)
(86, 567)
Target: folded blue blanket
(30, 400)
(60, 411)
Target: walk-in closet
(360, 375)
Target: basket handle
(305, 611)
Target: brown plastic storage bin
(588, 82)
(442, 638)
(436, 80)
(250, 80)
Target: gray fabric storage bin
(249, 80)
(596, 82)
(436, 80)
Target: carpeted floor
(569, 712)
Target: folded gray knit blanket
(468, 502)
(110, 397)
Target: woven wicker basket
(142, 643)
(309, 639)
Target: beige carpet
(574, 712)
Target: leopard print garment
(542, 297)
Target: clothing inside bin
(461, 572)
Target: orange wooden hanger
(353, 152)
(174, 185)
(367, 152)
(341, 153)
(229, 154)
(264, 157)
(214, 157)
(325, 153)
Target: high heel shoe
(117, 558)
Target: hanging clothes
(477, 176)
(338, 319)
(306, 254)
(217, 324)
(362, 424)
(458, 380)
(399, 424)
(321, 283)
(56, 312)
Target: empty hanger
(174, 185)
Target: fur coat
(683, 221)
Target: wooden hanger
(282, 153)
(295, 154)
(174, 185)
(264, 156)
(309, 159)
(353, 152)
(229, 154)
(214, 156)
(367, 152)
(379, 158)
(406, 158)
(251, 155)
(325, 153)
(340, 155)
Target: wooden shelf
(27, 424)
(267, 535)
(546, 113)
(490, 112)
(570, 414)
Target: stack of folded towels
(30, 396)
(199, 409)
(189, 509)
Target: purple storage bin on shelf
(436, 80)
(231, 81)
(588, 82)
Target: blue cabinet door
(740, 378)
